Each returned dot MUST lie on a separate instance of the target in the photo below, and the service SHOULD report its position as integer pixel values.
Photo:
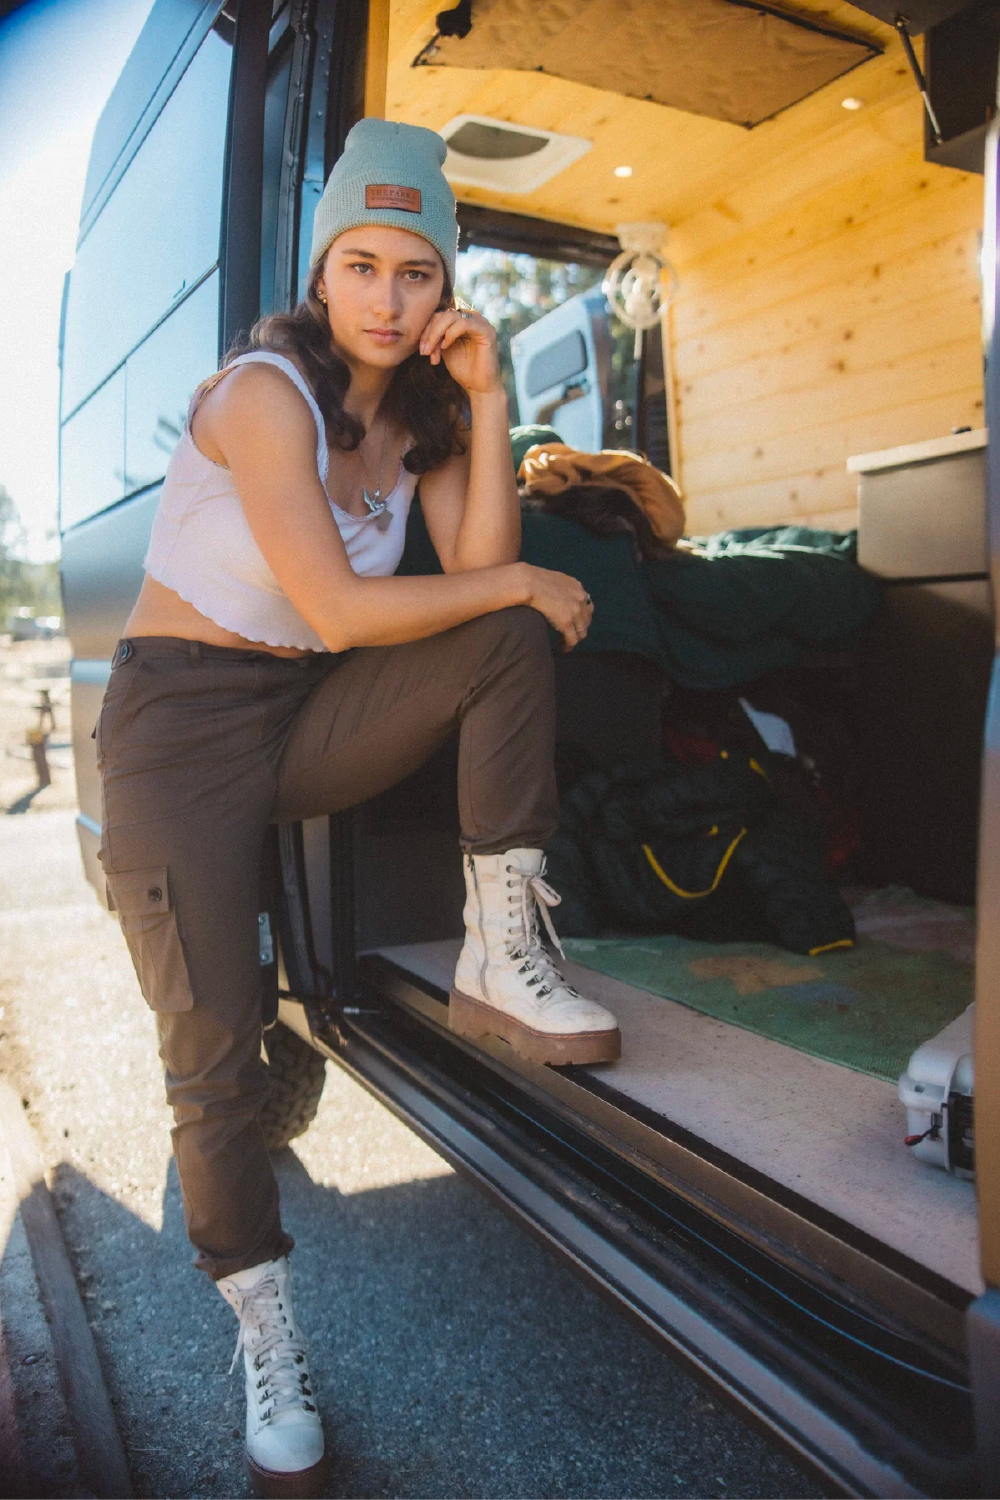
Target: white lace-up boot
(505, 983)
(284, 1442)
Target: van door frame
(983, 1318)
(243, 175)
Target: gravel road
(452, 1356)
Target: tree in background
(23, 584)
(11, 542)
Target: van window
(159, 231)
(515, 291)
(161, 377)
(92, 454)
(566, 357)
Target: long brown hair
(423, 398)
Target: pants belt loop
(195, 650)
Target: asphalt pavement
(452, 1356)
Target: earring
(321, 298)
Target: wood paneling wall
(845, 322)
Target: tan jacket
(550, 468)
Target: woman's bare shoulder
(254, 399)
(254, 392)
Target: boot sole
(471, 1018)
(301, 1484)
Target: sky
(59, 60)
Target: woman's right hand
(563, 601)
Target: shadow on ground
(23, 803)
(451, 1356)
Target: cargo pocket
(149, 922)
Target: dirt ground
(451, 1355)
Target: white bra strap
(266, 357)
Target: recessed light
(852, 103)
(623, 171)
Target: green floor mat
(866, 1008)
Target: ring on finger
(587, 599)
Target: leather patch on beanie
(387, 196)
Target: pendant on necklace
(376, 505)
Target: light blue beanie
(390, 174)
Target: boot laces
(524, 941)
(279, 1355)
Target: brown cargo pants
(199, 748)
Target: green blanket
(867, 1008)
(756, 601)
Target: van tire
(297, 1072)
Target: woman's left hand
(468, 345)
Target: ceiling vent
(507, 158)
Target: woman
(273, 669)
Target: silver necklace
(376, 505)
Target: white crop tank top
(202, 547)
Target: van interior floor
(829, 1132)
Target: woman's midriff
(160, 611)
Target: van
(742, 1192)
(24, 625)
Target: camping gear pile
(708, 850)
(722, 845)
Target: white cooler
(936, 1091)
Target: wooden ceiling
(713, 178)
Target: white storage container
(936, 1091)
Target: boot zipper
(482, 930)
